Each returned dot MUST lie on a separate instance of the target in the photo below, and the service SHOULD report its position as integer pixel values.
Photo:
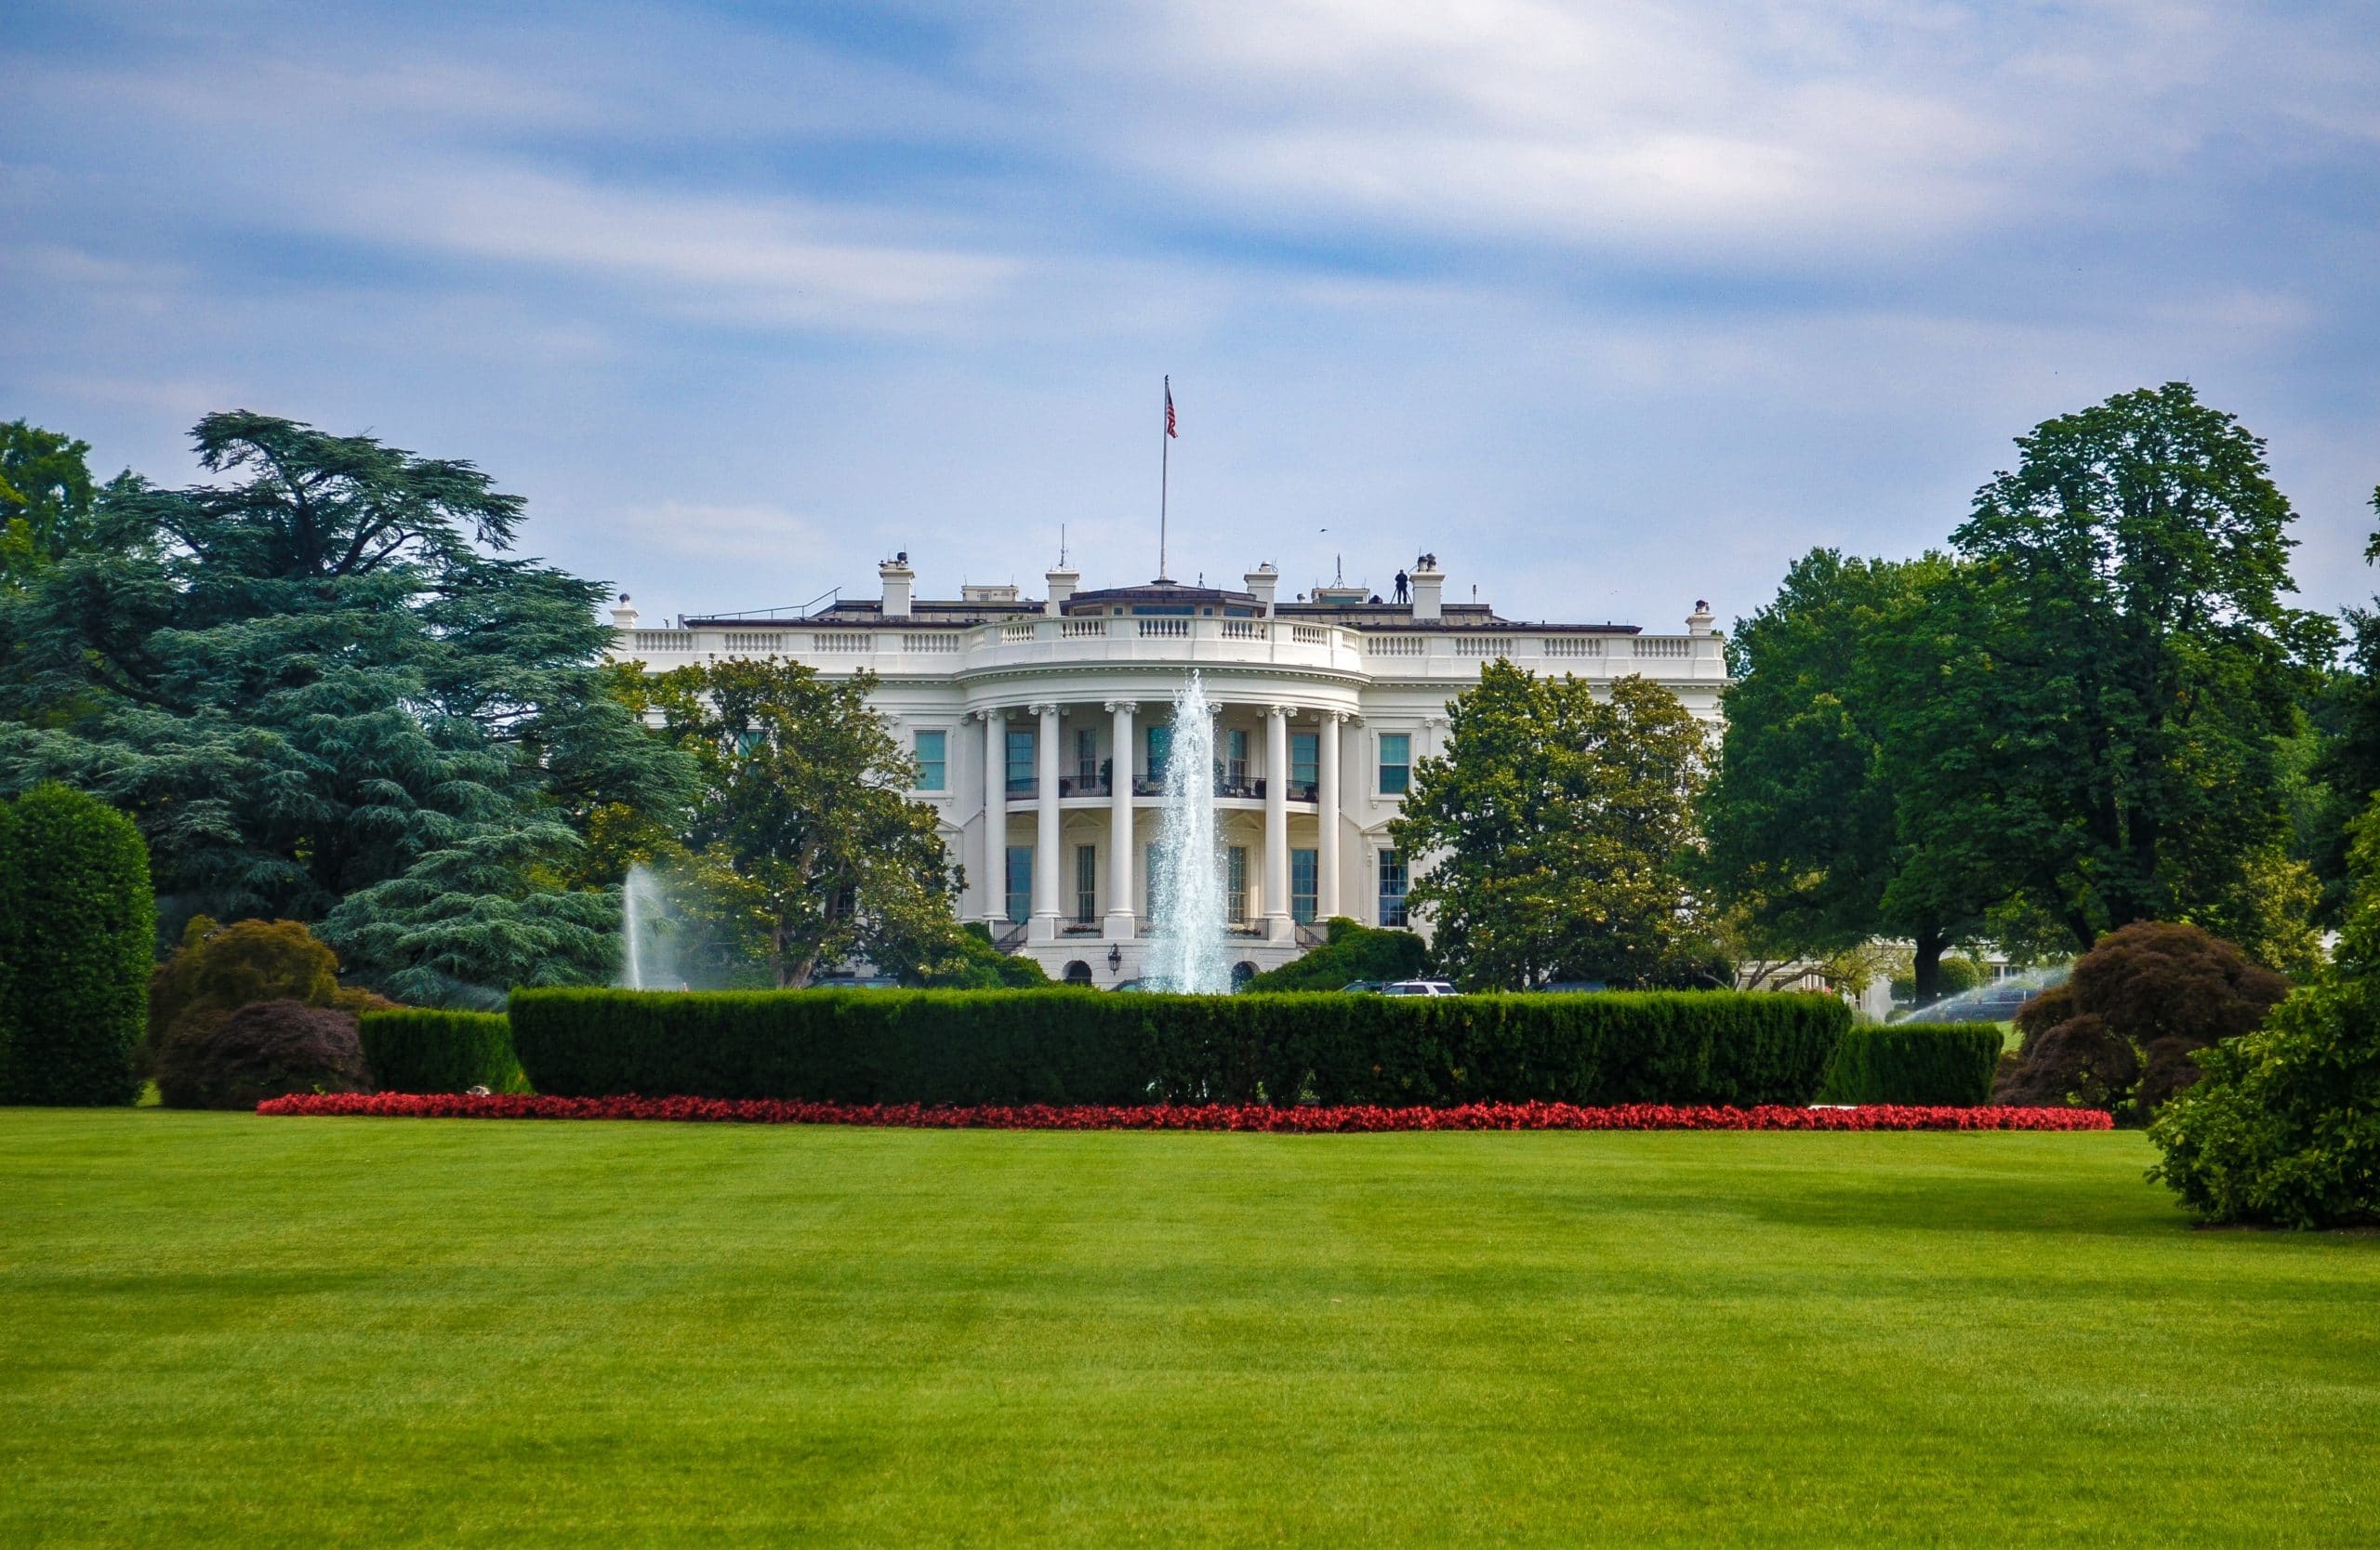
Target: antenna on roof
(1062, 546)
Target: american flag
(1170, 429)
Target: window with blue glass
(1304, 867)
(1391, 888)
(1235, 884)
(1236, 756)
(1395, 762)
(1305, 764)
(1019, 764)
(1160, 748)
(1020, 884)
(933, 762)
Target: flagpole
(1164, 472)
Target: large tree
(2100, 717)
(322, 677)
(45, 499)
(1549, 838)
(803, 851)
(1802, 819)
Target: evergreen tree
(45, 499)
(323, 677)
(1550, 837)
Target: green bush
(1065, 1045)
(1915, 1063)
(1350, 951)
(219, 969)
(78, 930)
(420, 1050)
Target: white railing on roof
(846, 642)
(1574, 645)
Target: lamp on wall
(1115, 960)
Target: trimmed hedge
(78, 928)
(425, 1049)
(1915, 1063)
(1072, 1046)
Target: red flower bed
(1190, 1117)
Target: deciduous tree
(1552, 833)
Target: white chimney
(1260, 581)
(1700, 621)
(1062, 587)
(1429, 585)
(900, 582)
(624, 614)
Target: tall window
(1086, 758)
(933, 763)
(1020, 884)
(1395, 762)
(1019, 764)
(1303, 868)
(1086, 883)
(1235, 884)
(1392, 887)
(1236, 756)
(1160, 749)
(1305, 764)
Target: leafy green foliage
(422, 1050)
(1557, 825)
(2121, 1032)
(1065, 1045)
(77, 935)
(1803, 819)
(45, 497)
(321, 676)
(1913, 1062)
(2096, 723)
(2284, 1126)
(801, 852)
(964, 959)
(1350, 951)
(263, 1050)
(219, 969)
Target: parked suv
(1418, 988)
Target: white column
(995, 817)
(1325, 819)
(1045, 838)
(1120, 924)
(1276, 823)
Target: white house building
(1042, 730)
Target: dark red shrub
(263, 1050)
(2120, 1033)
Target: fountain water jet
(1186, 953)
(642, 906)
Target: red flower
(1189, 1116)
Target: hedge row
(423, 1050)
(1915, 1063)
(1069, 1046)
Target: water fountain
(1186, 953)
(641, 908)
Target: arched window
(1078, 973)
(1241, 973)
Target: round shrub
(263, 1050)
(2122, 1033)
(219, 969)
(78, 927)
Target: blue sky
(1610, 306)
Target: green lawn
(221, 1329)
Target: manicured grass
(224, 1330)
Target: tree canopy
(2104, 708)
(320, 680)
(1550, 839)
(45, 499)
(802, 851)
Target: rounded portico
(1044, 733)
